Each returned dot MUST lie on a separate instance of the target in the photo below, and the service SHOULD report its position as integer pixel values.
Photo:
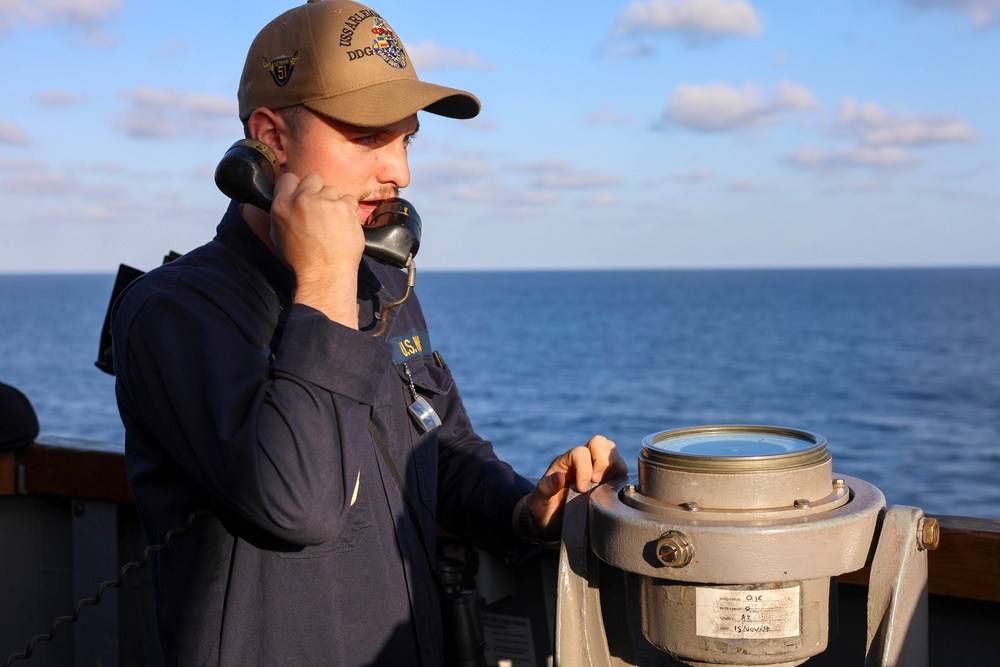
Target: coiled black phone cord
(141, 563)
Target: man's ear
(269, 127)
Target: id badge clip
(421, 409)
(423, 413)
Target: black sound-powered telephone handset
(247, 173)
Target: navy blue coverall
(238, 402)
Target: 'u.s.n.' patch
(410, 345)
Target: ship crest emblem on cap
(281, 68)
(387, 45)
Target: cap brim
(391, 101)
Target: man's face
(369, 163)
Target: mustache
(378, 194)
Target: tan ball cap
(341, 59)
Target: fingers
(311, 200)
(608, 462)
(318, 232)
(551, 485)
(546, 499)
(597, 461)
(314, 226)
(584, 468)
(312, 185)
(605, 458)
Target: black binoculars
(464, 643)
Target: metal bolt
(839, 482)
(666, 552)
(802, 503)
(929, 536)
(673, 549)
(691, 506)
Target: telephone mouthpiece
(393, 232)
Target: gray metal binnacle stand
(733, 534)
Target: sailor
(316, 457)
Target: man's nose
(395, 165)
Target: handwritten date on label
(729, 613)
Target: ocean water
(898, 369)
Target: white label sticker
(747, 614)
(509, 640)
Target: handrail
(69, 467)
(963, 566)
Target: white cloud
(719, 107)
(13, 135)
(520, 190)
(602, 199)
(449, 173)
(40, 182)
(559, 175)
(55, 98)
(480, 124)
(743, 186)
(455, 178)
(526, 202)
(560, 180)
(921, 132)
(427, 55)
(550, 164)
(165, 113)
(865, 114)
(883, 157)
(630, 50)
(874, 126)
(696, 176)
(882, 140)
(691, 18)
(44, 13)
(794, 96)
(465, 193)
(982, 12)
(963, 195)
(20, 165)
(867, 188)
(517, 202)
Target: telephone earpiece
(247, 173)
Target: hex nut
(673, 549)
(930, 534)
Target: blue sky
(614, 134)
